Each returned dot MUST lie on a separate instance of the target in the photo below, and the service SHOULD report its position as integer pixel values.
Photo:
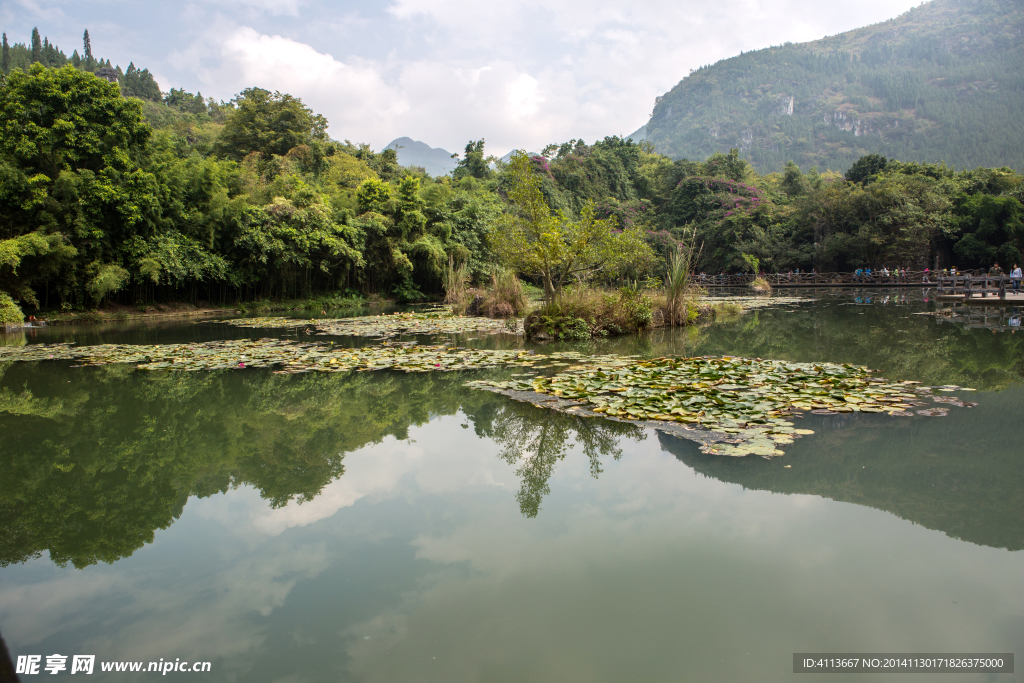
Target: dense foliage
(106, 196)
(882, 213)
(942, 82)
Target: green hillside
(942, 82)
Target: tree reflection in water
(95, 460)
(536, 439)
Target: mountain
(508, 157)
(411, 152)
(638, 135)
(942, 82)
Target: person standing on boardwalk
(1015, 275)
(995, 270)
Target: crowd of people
(865, 275)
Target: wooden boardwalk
(972, 285)
(978, 289)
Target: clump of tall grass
(727, 308)
(682, 296)
(456, 281)
(504, 297)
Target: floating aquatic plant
(387, 326)
(732, 406)
(287, 356)
(754, 302)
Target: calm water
(385, 527)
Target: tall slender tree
(6, 56)
(87, 56)
(37, 46)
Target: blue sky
(519, 73)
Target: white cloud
(519, 73)
(376, 101)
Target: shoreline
(171, 310)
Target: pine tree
(88, 50)
(6, 56)
(37, 46)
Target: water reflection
(535, 439)
(93, 467)
(994, 318)
(894, 334)
(413, 557)
(938, 473)
(95, 460)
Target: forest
(116, 192)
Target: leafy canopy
(52, 120)
(535, 241)
(269, 123)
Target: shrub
(347, 299)
(637, 307)
(10, 312)
(761, 285)
(582, 313)
(504, 298)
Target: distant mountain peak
(434, 160)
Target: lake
(388, 527)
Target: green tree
(269, 123)
(140, 83)
(373, 195)
(55, 120)
(6, 59)
(473, 162)
(533, 240)
(37, 46)
(70, 155)
(993, 230)
(87, 47)
(866, 168)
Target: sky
(518, 73)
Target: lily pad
(731, 406)
(387, 326)
(724, 400)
